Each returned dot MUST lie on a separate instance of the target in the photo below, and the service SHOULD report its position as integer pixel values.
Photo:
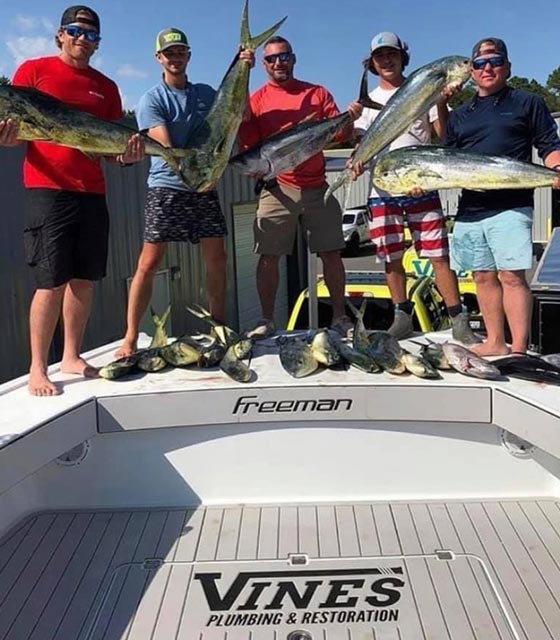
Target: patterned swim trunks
(173, 215)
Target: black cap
(70, 16)
(498, 45)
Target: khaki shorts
(282, 207)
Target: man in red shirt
(297, 194)
(67, 222)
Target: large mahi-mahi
(211, 145)
(42, 117)
(431, 168)
(417, 95)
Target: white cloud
(31, 23)
(130, 71)
(24, 47)
(97, 61)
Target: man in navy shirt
(170, 112)
(492, 235)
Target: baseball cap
(169, 38)
(387, 39)
(70, 16)
(498, 44)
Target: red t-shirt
(274, 107)
(52, 166)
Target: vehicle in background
(429, 311)
(422, 268)
(356, 228)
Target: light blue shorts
(500, 242)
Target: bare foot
(40, 385)
(80, 367)
(127, 349)
(490, 349)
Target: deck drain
(299, 635)
(515, 445)
(74, 456)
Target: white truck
(355, 227)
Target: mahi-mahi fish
(291, 146)
(42, 117)
(211, 145)
(431, 168)
(417, 95)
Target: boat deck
(382, 571)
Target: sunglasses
(77, 32)
(285, 56)
(495, 61)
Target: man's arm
(439, 126)
(552, 161)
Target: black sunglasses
(494, 61)
(285, 56)
(77, 32)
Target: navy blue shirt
(508, 123)
(181, 111)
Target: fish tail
(160, 322)
(342, 179)
(357, 312)
(364, 98)
(198, 311)
(248, 41)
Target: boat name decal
(335, 596)
(246, 404)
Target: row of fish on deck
(200, 165)
(301, 356)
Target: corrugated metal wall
(125, 194)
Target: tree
(550, 93)
(553, 83)
(4, 80)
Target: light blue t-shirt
(181, 111)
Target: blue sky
(330, 37)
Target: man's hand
(8, 133)
(357, 168)
(448, 92)
(248, 56)
(416, 192)
(355, 110)
(135, 150)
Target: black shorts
(174, 215)
(66, 236)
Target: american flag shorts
(425, 220)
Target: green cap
(170, 37)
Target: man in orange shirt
(67, 222)
(297, 194)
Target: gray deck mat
(381, 571)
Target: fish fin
(364, 98)
(253, 42)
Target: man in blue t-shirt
(169, 113)
(492, 235)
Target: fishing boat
(183, 505)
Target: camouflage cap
(170, 37)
